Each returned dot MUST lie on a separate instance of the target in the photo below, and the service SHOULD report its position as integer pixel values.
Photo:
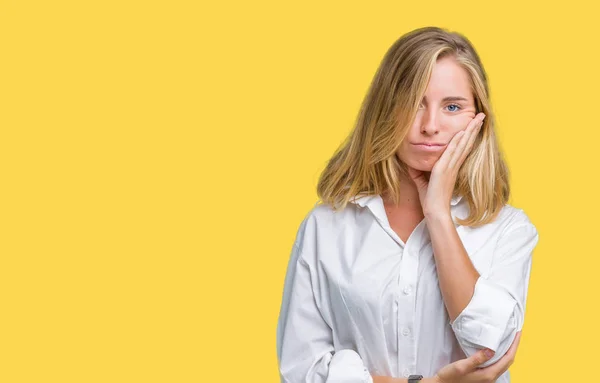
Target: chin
(419, 161)
(424, 166)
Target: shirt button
(406, 373)
(405, 331)
(406, 290)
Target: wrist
(438, 216)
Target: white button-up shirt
(358, 301)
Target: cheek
(403, 152)
(457, 123)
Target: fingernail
(489, 353)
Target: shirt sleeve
(496, 311)
(305, 350)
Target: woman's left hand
(435, 193)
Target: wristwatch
(415, 378)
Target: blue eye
(455, 106)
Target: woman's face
(447, 108)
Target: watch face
(414, 378)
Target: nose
(429, 124)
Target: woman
(414, 267)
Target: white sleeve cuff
(487, 321)
(347, 366)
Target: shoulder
(508, 219)
(513, 217)
(324, 217)
(513, 226)
(509, 233)
(321, 224)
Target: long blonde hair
(366, 162)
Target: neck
(409, 195)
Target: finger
(453, 146)
(515, 343)
(466, 144)
(457, 154)
(473, 137)
(475, 360)
(450, 149)
(506, 361)
(512, 350)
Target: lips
(429, 143)
(430, 147)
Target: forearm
(389, 379)
(456, 273)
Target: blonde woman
(413, 268)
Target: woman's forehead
(448, 79)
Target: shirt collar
(375, 203)
(367, 200)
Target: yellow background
(157, 158)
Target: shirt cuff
(486, 320)
(347, 366)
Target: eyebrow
(450, 98)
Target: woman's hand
(435, 191)
(467, 371)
